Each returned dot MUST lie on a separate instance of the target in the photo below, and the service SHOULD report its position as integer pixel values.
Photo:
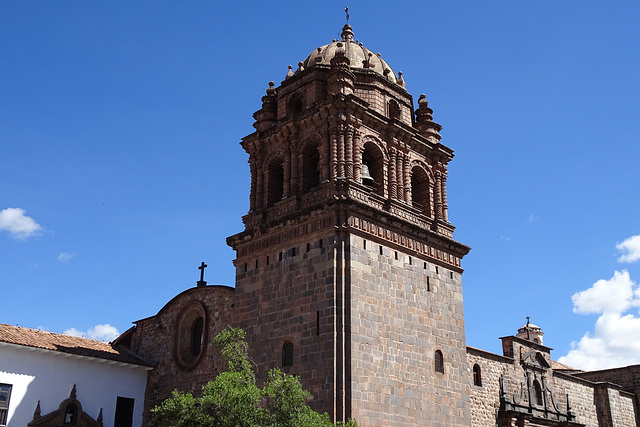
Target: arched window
(197, 334)
(294, 105)
(537, 393)
(275, 182)
(310, 167)
(372, 168)
(287, 354)
(477, 375)
(439, 362)
(420, 190)
(70, 415)
(393, 109)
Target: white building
(53, 379)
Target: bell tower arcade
(347, 273)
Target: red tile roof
(66, 344)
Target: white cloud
(615, 295)
(615, 340)
(631, 247)
(18, 224)
(65, 256)
(532, 218)
(104, 332)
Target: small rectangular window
(317, 323)
(320, 243)
(5, 396)
(396, 254)
(364, 244)
(244, 267)
(267, 260)
(124, 412)
(380, 249)
(437, 271)
(292, 252)
(424, 266)
(256, 263)
(308, 247)
(280, 256)
(410, 261)
(428, 284)
(451, 274)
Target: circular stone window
(191, 335)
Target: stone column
(400, 176)
(445, 207)
(286, 164)
(392, 174)
(254, 177)
(333, 160)
(341, 153)
(357, 156)
(438, 197)
(407, 178)
(349, 152)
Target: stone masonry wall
(285, 293)
(154, 339)
(403, 309)
(485, 399)
(581, 396)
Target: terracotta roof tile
(66, 344)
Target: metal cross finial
(201, 268)
(346, 10)
(528, 319)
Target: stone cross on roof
(201, 282)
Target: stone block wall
(581, 396)
(485, 399)
(157, 340)
(403, 309)
(285, 293)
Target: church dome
(358, 55)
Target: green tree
(234, 400)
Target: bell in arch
(367, 179)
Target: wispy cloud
(615, 340)
(532, 218)
(630, 249)
(104, 332)
(65, 256)
(18, 224)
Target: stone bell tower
(346, 273)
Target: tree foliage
(234, 399)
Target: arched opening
(439, 362)
(537, 393)
(310, 167)
(372, 168)
(197, 334)
(70, 414)
(420, 190)
(393, 109)
(477, 375)
(287, 354)
(295, 104)
(275, 182)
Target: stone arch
(287, 354)
(477, 375)
(273, 179)
(393, 109)
(191, 335)
(438, 359)
(375, 160)
(295, 103)
(421, 188)
(310, 167)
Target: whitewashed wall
(49, 376)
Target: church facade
(348, 275)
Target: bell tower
(347, 273)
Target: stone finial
(400, 80)
(289, 73)
(267, 115)
(424, 120)
(347, 33)
(72, 395)
(37, 412)
(340, 79)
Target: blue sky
(120, 168)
